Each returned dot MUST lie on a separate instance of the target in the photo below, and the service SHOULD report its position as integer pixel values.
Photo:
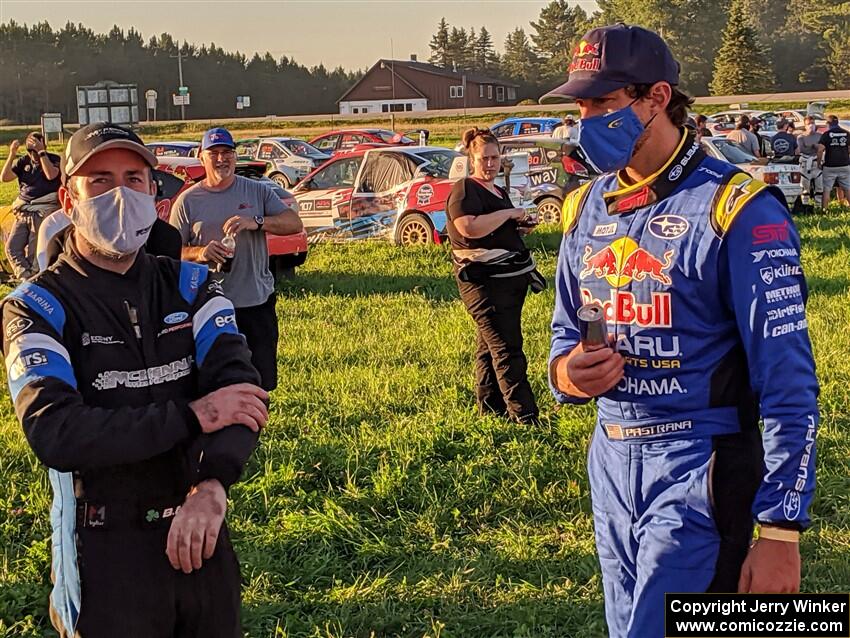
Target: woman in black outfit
(481, 219)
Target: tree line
(725, 47)
(40, 68)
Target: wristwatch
(260, 221)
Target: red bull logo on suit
(623, 260)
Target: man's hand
(589, 374)
(36, 144)
(194, 530)
(214, 252)
(13, 148)
(238, 223)
(239, 404)
(771, 567)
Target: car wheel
(549, 209)
(414, 229)
(283, 266)
(281, 180)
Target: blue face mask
(608, 140)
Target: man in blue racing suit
(697, 268)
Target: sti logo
(623, 260)
(767, 233)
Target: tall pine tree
(486, 58)
(742, 64)
(440, 45)
(555, 34)
(520, 62)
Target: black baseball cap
(91, 139)
(613, 57)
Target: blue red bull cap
(613, 57)
(217, 137)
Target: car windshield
(394, 138)
(439, 163)
(734, 152)
(298, 147)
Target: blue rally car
(525, 126)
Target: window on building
(511, 93)
(500, 94)
(480, 90)
(355, 110)
(395, 108)
(456, 91)
(408, 107)
(385, 108)
(489, 91)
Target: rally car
(349, 139)
(555, 167)
(288, 158)
(174, 148)
(399, 192)
(525, 126)
(784, 174)
(173, 175)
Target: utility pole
(179, 57)
(392, 73)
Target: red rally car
(395, 191)
(175, 174)
(347, 140)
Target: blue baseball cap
(613, 57)
(217, 137)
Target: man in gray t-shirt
(743, 136)
(225, 204)
(811, 173)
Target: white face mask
(117, 222)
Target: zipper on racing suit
(133, 314)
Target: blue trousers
(670, 517)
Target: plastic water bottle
(229, 242)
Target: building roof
(471, 76)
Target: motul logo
(622, 308)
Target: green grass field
(379, 504)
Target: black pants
(501, 380)
(259, 325)
(129, 589)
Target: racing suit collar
(82, 265)
(661, 184)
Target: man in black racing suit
(136, 390)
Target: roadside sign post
(150, 102)
(52, 123)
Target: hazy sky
(351, 33)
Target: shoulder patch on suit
(732, 195)
(192, 275)
(41, 301)
(573, 203)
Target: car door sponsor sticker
(549, 176)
